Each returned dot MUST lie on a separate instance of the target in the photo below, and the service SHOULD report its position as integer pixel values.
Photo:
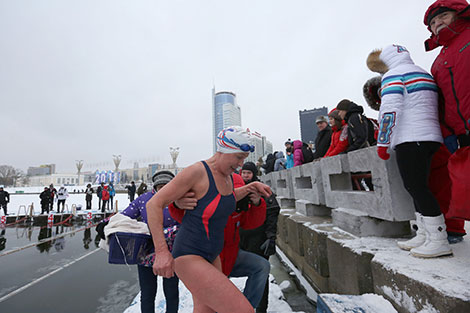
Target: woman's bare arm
(175, 189)
(253, 187)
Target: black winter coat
(322, 142)
(45, 197)
(4, 197)
(252, 239)
(357, 127)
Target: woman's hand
(259, 188)
(164, 264)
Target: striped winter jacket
(409, 109)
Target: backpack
(307, 153)
(105, 194)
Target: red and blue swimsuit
(202, 229)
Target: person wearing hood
(339, 138)
(268, 166)
(409, 125)
(352, 114)
(260, 240)
(449, 24)
(280, 162)
(298, 156)
(105, 198)
(323, 140)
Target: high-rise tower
(225, 112)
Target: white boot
(436, 242)
(420, 237)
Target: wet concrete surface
(294, 294)
(66, 272)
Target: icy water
(66, 272)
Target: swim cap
(234, 139)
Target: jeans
(148, 291)
(257, 269)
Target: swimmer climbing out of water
(200, 239)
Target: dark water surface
(66, 272)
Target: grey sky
(89, 79)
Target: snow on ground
(364, 303)
(276, 302)
(448, 275)
(17, 200)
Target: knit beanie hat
(343, 105)
(162, 178)
(250, 166)
(335, 114)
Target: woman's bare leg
(212, 291)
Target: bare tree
(9, 175)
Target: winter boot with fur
(436, 239)
(420, 237)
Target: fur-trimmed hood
(381, 61)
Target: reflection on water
(3, 240)
(86, 238)
(44, 233)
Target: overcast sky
(91, 78)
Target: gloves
(382, 152)
(451, 143)
(268, 247)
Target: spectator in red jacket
(237, 262)
(339, 138)
(449, 23)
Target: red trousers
(440, 185)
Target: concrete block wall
(321, 252)
(319, 187)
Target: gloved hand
(268, 247)
(382, 152)
(451, 143)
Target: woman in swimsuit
(201, 236)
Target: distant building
(225, 113)
(56, 179)
(262, 147)
(46, 169)
(308, 128)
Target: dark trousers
(263, 303)
(52, 204)
(99, 203)
(131, 197)
(88, 204)
(104, 205)
(45, 208)
(414, 164)
(111, 202)
(59, 202)
(4, 207)
(148, 291)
